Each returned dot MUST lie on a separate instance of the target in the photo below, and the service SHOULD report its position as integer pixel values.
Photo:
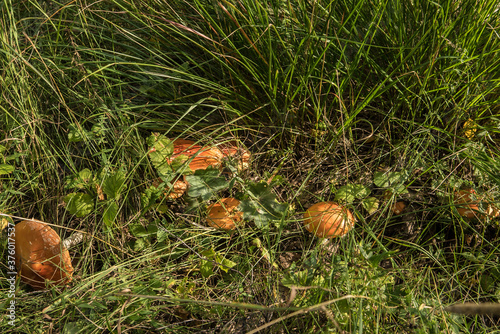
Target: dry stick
(309, 309)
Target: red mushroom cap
(40, 255)
(328, 220)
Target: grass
(324, 95)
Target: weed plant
(398, 98)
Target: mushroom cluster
(41, 258)
(203, 157)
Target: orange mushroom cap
(40, 255)
(233, 149)
(224, 214)
(467, 201)
(328, 220)
(398, 208)
(177, 190)
(202, 157)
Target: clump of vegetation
(388, 108)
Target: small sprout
(224, 214)
(328, 220)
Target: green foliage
(79, 204)
(320, 91)
(261, 205)
(90, 184)
(391, 180)
(204, 184)
(349, 192)
(213, 258)
(161, 148)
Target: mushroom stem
(73, 240)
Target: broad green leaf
(79, 180)
(149, 197)
(262, 207)
(76, 133)
(140, 231)
(6, 169)
(361, 191)
(205, 183)
(161, 148)
(85, 175)
(370, 204)
(110, 213)
(224, 264)
(206, 268)
(209, 254)
(140, 244)
(345, 194)
(2, 149)
(79, 204)
(389, 179)
(114, 185)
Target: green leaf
(140, 244)
(2, 149)
(205, 183)
(114, 185)
(85, 175)
(6, 169)
(110, 214)
(76, 133)
(262, 207)
(79, 180)
(140, 231)
(224, 264)
(149, 197)
(79, 204)
(206, 268)
(161, 148)
(386, 180)
(345, 194)
(370, 204)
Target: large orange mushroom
(224, 214)
(41, 259)
(328, 220)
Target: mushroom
(398, 207)
(177, 190)
(40, 256)
(234, 150)
(328, 220)
(224, 214)
(202, 157)
(468, 202)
